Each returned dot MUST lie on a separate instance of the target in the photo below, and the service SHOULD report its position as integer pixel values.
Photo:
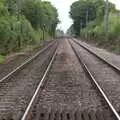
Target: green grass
(116, 51)
(2, 58)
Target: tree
(94, 9)
(22, 21)
(41, 13)
(79, 11)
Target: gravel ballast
(67, 85)
(108, 79)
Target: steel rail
(25, 63)
(117, 69)
(96, 83)
(29, 107)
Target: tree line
(23, 21)
(88, 21)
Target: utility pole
(87, 15)
(106, 20)
(18, 7)
(81, 24)
(43, 32)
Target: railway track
(99, 81)
(99, 57)
(57, 99)
(65, 89)
(18, 87)
(41, 84)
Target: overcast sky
(63, 7)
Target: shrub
(15, 33)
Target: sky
(63, 7)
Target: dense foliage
(84, 11)
(88, 22)
(22, 23)
(79, 12)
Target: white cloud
(63, 7)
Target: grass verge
(2, 58)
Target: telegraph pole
(106, 20)
(87, 15)
(18, 7)
(43, 32)
(81, 24)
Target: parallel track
(94, 80)
(32, 102)
(9, 79)
(25, 63)
(99, 57)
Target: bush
(3, 10)
(25, 32)
(21, 23)
(114, 25)
(5, 31)
(15, 33)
